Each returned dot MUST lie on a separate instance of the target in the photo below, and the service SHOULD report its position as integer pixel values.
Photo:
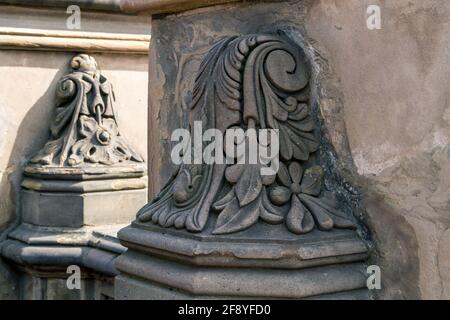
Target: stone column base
(169, 264)
(41, 255)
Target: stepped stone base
(41, 257)
(74, 197)
(70, 217)
(169, 264)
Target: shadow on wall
(30, 136)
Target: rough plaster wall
(27, 90)
(395, 85)
(385, 107)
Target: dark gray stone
(262, 246)
(79, 209)
(95, 248)
(42, 255)
(8, 282)
(225, 231)
(257, 81)
(236, 282)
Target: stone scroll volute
(259, 81)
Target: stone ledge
(38, 247)
(60, 40)
(76, 186)
(103, 237)
(277, 249)
(86, 172)
(102, 5)
(134, 289)
(36, 256)
(240, 282)
(166, 6)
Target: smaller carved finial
(85, 129)
(83, 63)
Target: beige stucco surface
(395, 86)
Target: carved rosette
(254, 81)
(84, 130)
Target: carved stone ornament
(86, 167)
(84, 130)
(259, 81)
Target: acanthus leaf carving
(84, 129)
(259, 81)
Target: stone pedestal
(256, 263)
(82, 187)
(229, 230)
(42, 255)
(74, 197)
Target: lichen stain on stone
(124, 184)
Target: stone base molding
(48, 26)
(42, 256)
(72, 41)
(166, 264)
(166, 6)
(101, 5)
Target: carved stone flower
(247, 200)
(100, 143)
(302, 189)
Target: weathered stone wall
(27, 90)
(383, 96)
(395, 88)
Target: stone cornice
(59, 40)
(122, 6)
(166, 6)
(101, 5)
